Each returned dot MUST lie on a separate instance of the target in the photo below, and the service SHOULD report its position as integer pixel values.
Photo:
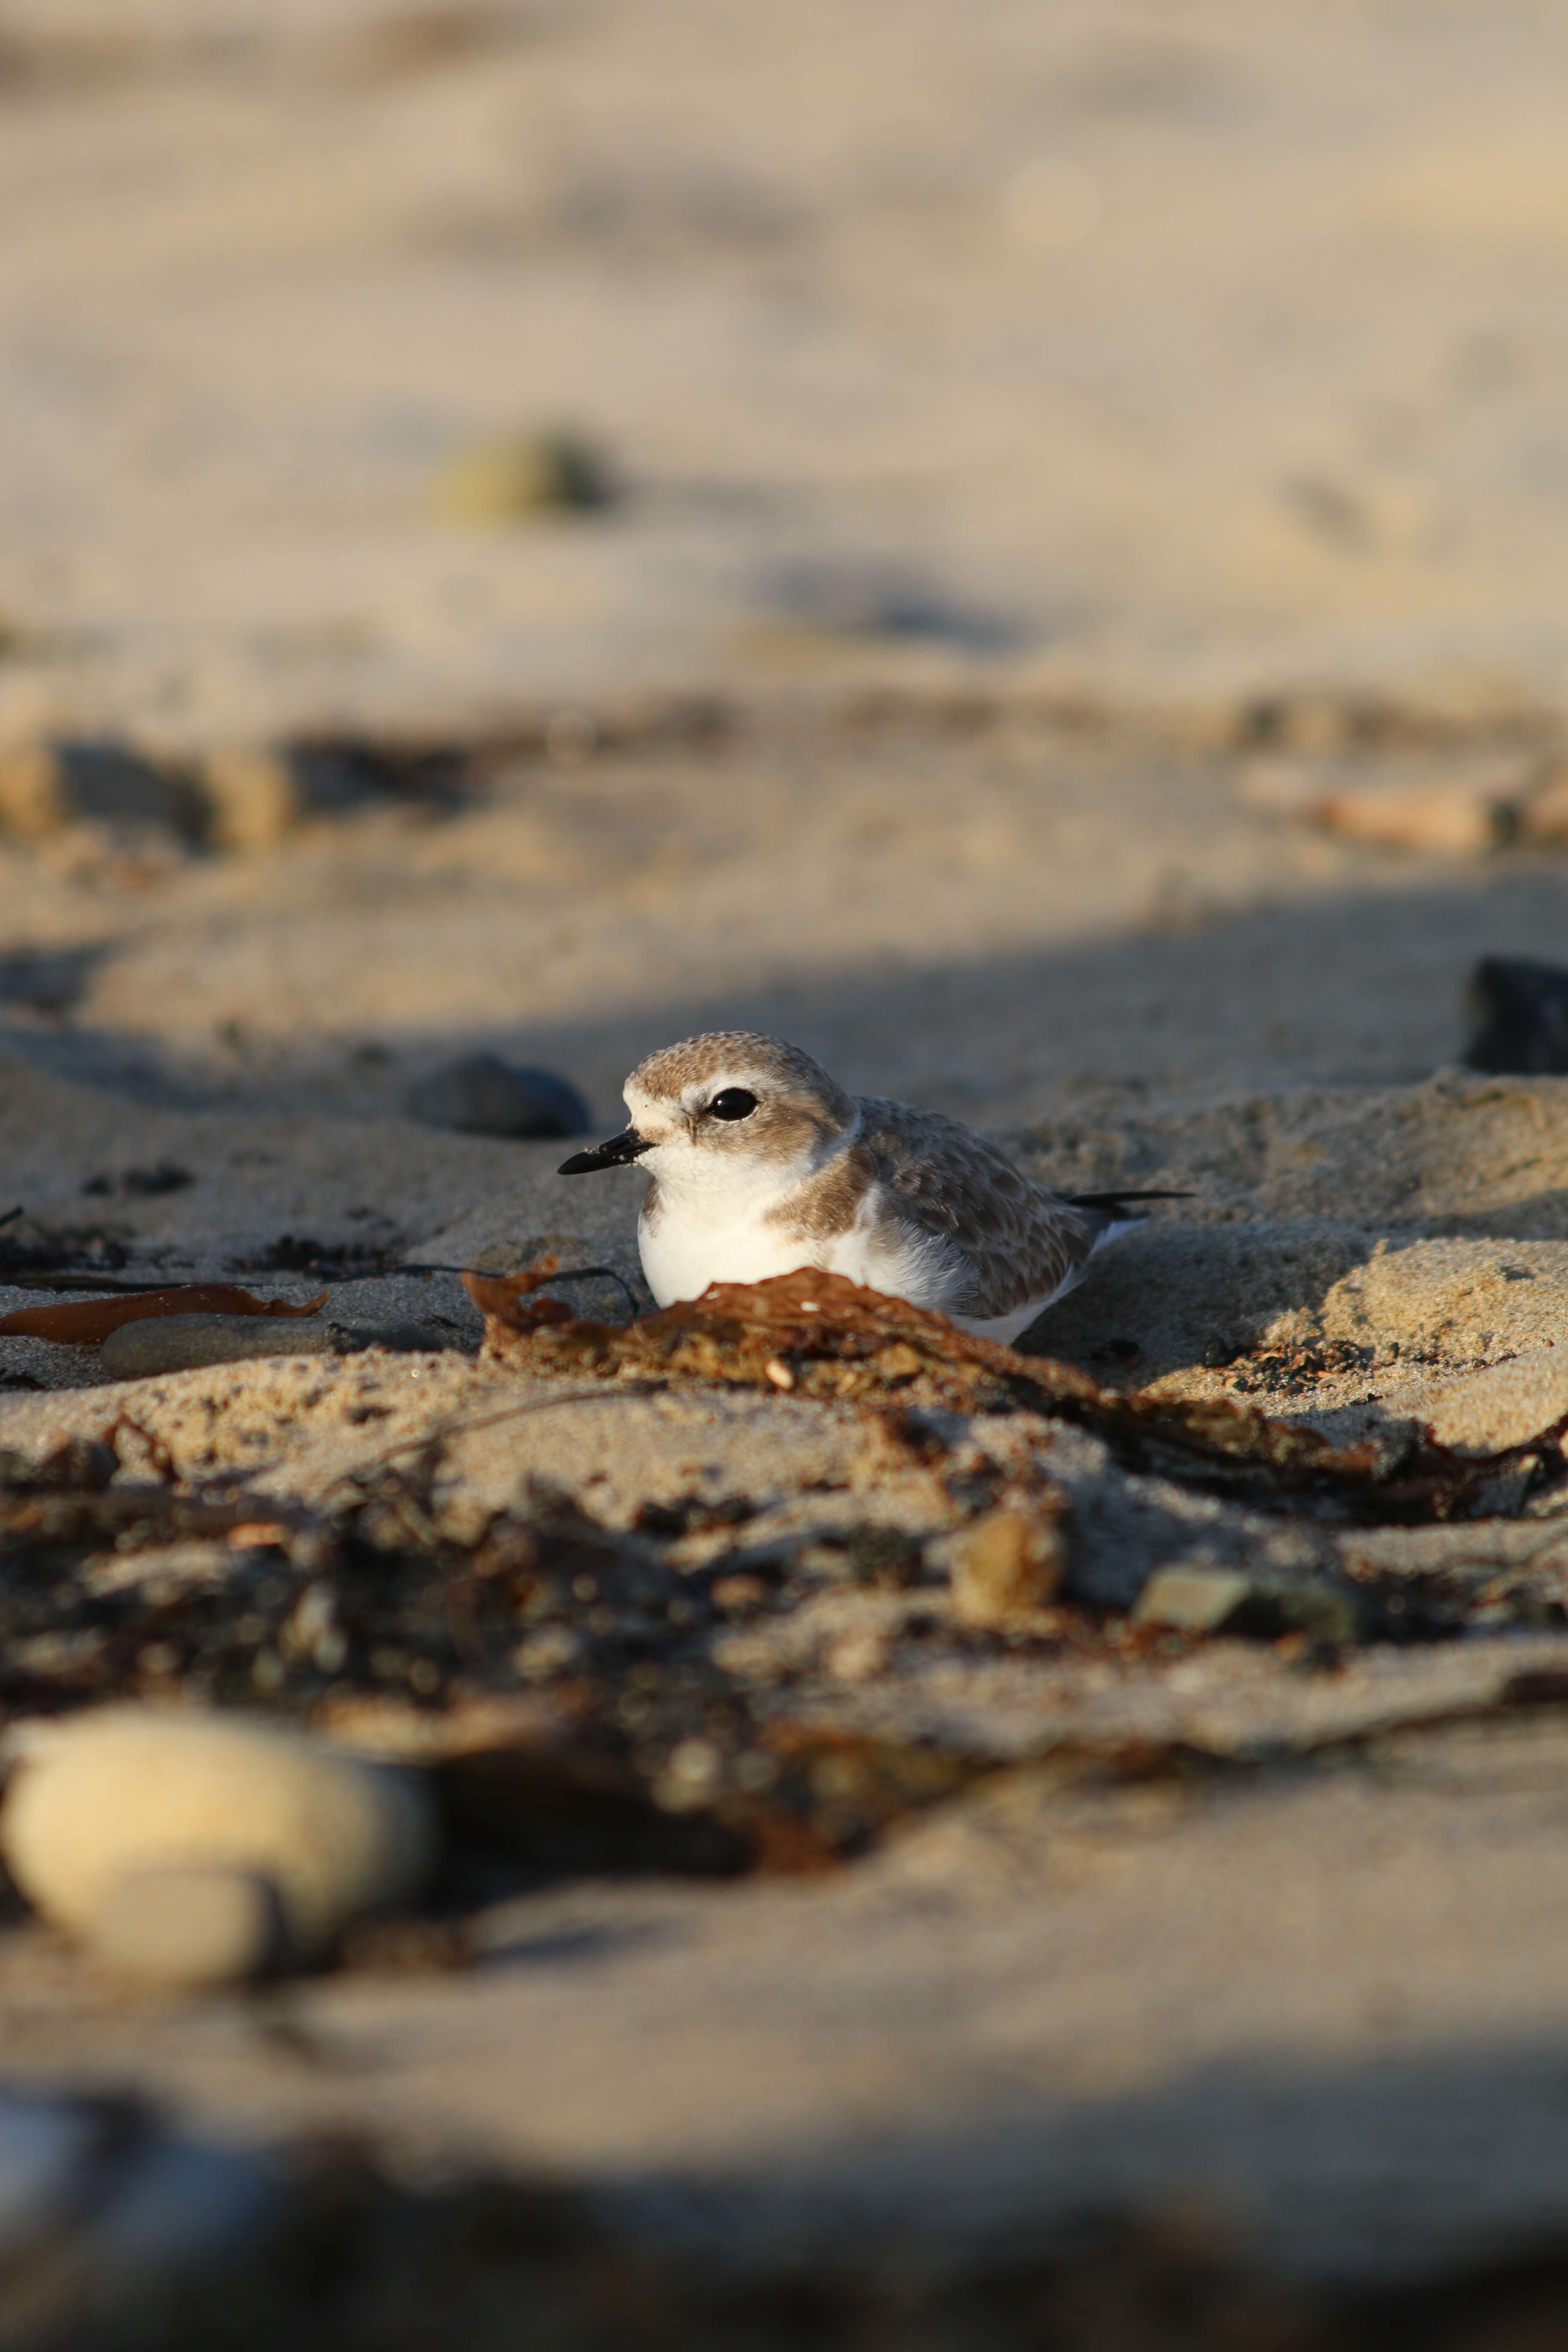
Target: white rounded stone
(190, 1926)
(129, 1788)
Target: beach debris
(1010, 1564)
(841, 1342)
(127, 1789)
(519, 476)
(52, 782)
(88, 1322)
(1517, 1013)
(481, 1095)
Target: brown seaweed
(88, 1322)
(818, 1335)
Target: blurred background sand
(1174, 366)
(1180, 350)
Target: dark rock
(481, 1095)
(48, 784)
(1518, 1017)
(142, 1183)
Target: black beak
(628, 1145)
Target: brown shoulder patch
(828, 1204)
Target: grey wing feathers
(1011, 1243)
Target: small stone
(51, 784)
(739, 1593)
(1544, 817)
(1450, 820)
(1010, 1565)
(1192, 1600)
(190, 1927)
(481, 1095)
(176, 1343)
(522, 474)
(259, 793)
(858, 1658)
(1518, 1011)
(126, 1789)
(1227, 1601)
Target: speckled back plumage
(1017, 1243)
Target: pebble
(1227, 1601)
(522, 474)
(126, 1790)
(1544, 817)
(51, 783)
(259, 793)
(179, 1343)
(1009, 1565)
(1451, 820)
(190, 1927)
(1518, 1017)
(1192, 1600)
(480, 1095)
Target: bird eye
(733, 1102)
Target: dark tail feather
(1114, 1201)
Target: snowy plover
(761, 1163)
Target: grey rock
(179, 1343)
(190, 1926)
(481, 1095)
(175, 1343)
(104, 2214)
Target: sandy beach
(1038, 470)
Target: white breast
(681, 1255)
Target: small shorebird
(761, 1163)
